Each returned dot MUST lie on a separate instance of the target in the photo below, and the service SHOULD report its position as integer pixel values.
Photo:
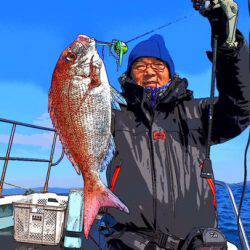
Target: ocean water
(227, 220)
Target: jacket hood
(152, 47)
(135, 94)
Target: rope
(16, 186)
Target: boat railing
(242, 234)
(7, 157)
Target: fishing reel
(230, 9)
(201, 5)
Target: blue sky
(34, 33)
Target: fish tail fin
(94, 200)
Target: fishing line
(159, 28)
(120, 48)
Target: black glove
(217, 17)
(219, 24)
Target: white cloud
(43, 120)
(41, 140)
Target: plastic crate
(39, 219)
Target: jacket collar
(135, 94)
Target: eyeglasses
(157, 66)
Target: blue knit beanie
(152, 47)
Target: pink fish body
(80, 110)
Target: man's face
(150, 72)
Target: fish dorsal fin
(117, 99)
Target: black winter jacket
(160, 150)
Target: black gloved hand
(216, 17)
(219, 24)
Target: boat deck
(7, 242)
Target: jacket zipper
(153, 173)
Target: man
(161, 140)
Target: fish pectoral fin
(71, 159)
(117, 99)
(77, 169)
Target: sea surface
(226, 217)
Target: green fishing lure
(120, 49)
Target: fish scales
(80, 110)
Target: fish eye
(71, 56)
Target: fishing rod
(118, 48)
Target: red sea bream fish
(80, 110)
